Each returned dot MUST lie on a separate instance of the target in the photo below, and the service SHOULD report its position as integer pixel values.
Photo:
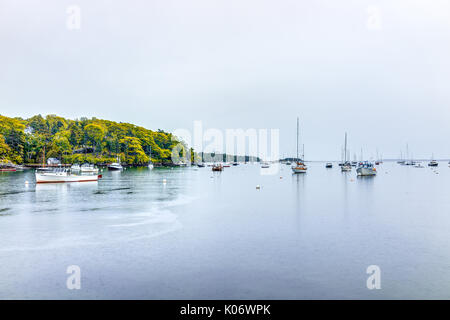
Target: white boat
(150, 166)
(346, 165)
(62, 176)
(366, 169)
(115, 166)
(300, 166)
(88, 168)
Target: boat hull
(366, 172)
(299, 169)
(114, 168)
(55, 178)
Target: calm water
(204, 235)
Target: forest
(28, 141)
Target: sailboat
(115, 166)
(346, 166)
(150, 163)
(300, 166)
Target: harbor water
(190, 233)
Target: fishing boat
(62, 175)
(88, 168)
(366, 169)
(8, 169)
(115, 166)
(217, 167)
(346, 165)
(300, 166)
(328, 165)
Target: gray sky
(339, 65)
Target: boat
(346, 165)
(150, 163)
(217, 167)
(115, 166)
(226, 165)
(201, 164)
(366, 169)
(329, 165)
(265, 165)
(419, 165)
(433, 163)
(88, 168)
(235, 163)
(8, 167)
(62, 175)
(288, 163)
(300, 166)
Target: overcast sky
(379, 70)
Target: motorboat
(328, 165)
(88, 168)
(115, 166)
(366, 169)
(62, 175)
(217, 167)
(433, 163)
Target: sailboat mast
(297, 139)
(345, 148)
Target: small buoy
(258, 187)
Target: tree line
(83, 140)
